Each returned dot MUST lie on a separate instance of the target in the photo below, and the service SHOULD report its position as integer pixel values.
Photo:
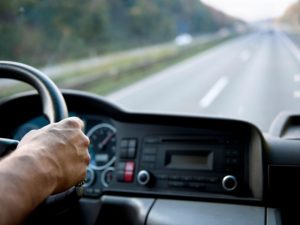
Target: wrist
(25, 183)
(34, 168)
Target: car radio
(187, 164)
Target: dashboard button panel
(185, 164)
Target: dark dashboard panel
(181, 161)
(160, 155)
(174, 157)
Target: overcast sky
(251, 10)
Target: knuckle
(87, 158)
(74, 122)
(86, 141)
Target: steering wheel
(54, 108)
(54, 105)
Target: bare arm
(47, 161)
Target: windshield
(231, 58)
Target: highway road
(253, 78)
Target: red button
(129, 166)
(128, 176)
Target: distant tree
(49, 31)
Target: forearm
(24, 183)
(49, 160)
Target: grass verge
(123, 69)
(110, 84)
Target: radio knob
(143, 177)
(229, 183)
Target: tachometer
(102, 146)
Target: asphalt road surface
(253, 78)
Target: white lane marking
(168, 73)
(214, 92)
(296, 94)
(290, 45)
(245, 55)
(297, 77)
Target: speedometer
(102, 147)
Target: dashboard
(196, 160)
(163, 159)
(146, 168)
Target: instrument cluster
(103, 137)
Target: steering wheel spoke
(7, 145)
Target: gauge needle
(106, 140)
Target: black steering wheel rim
(54, 105)
(55, 109)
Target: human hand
(61, 150)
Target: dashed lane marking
(213, 93)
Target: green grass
(122, 69)
(19, 87)
(117, 64)
(112, 84)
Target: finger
(87, 159)
(74, 122)
(86, 141)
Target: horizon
(247, 10)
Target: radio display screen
(191, 160)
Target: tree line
(40, 32)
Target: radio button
(121, 166)
(128, 148)
(213, 180)
(148, 165)
(128, 176)
(176, 184)
(120, 176)
(124, 143)
(143, 177)
(232, 161)
(230, 169)
(151, 140)
(162, 177)
(148, 158)
(129, 166)
(232, 153)
(229, 183)
(196, 185)
(123, 153)
(199, 179)
(235, 161)
(131, 152)
(149, 150)
(174, 177)
(132, 143)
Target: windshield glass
(231, 58)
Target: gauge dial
(102, 146)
